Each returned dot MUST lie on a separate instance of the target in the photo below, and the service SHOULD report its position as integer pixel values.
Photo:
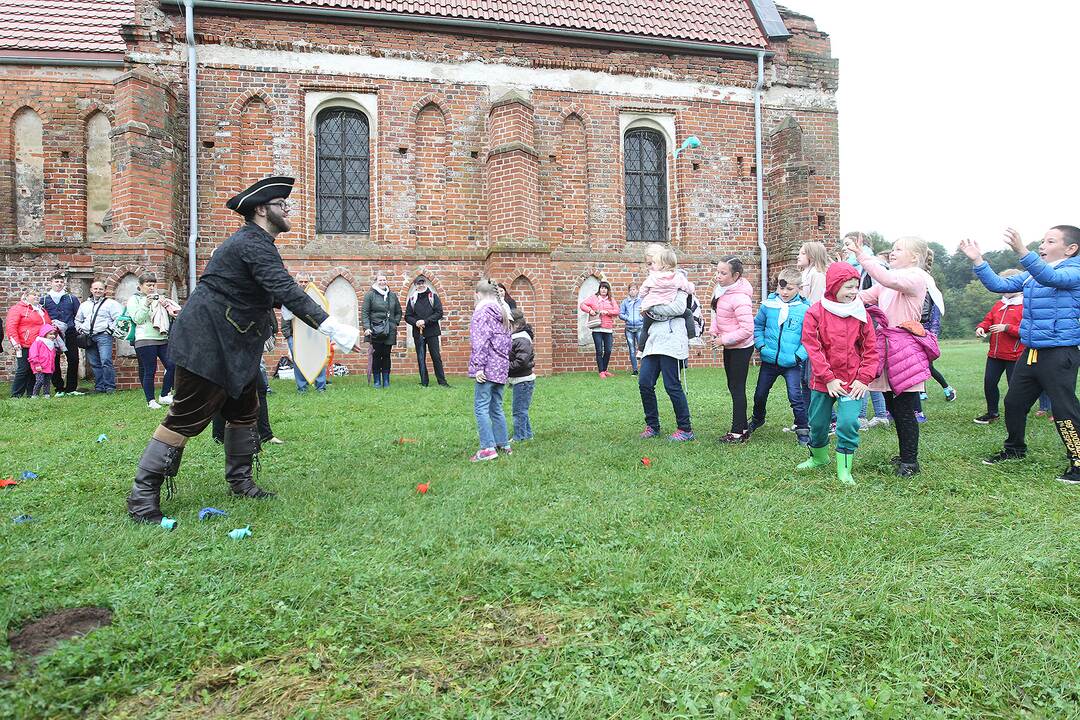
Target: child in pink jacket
(42, 357)
(664, 282)
(733, 329)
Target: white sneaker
(165, 399)
(59, 394)
(153, 405)
(76, 392)
(875, 421)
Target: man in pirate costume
(216, 343)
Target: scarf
(720, 290)
(56, 296)
(854, 309)
(382, 292)
(782, 306)
(1008, 302)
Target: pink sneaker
(648, 432)
(608, 374)
(602, 376)
(485, 454)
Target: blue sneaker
(950, 394)
(920, 417)
(681, 436)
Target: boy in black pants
(1050, 328)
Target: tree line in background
(966, 299)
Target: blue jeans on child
(878, 399)
(490, 421)
(631, 345)
(522, 393)
(650, 369)
(768, 375)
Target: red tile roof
(66, 26)
(724, 22)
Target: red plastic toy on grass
(422, 488)
(646, 462)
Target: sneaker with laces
(922, 396)
(802, 435)
(733, 437)
(877, 420)
(59, 394)
(485, 454)
(681, 436)
(506, 450)
(753, 425)
(1070, 476)
(950, 393)
(153, 405)
(649, 432)
(920, 417)
(864, 424)
(985, 419)
(165, 399)
(1003, 456)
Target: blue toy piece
(207, 512)
(240, 533)
(28, 475)
(168, 523)
(102, 437)
(688, 144)
(23, 519)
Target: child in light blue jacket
(778, 339)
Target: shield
(311, 349)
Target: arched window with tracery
(645, 185)
(343, 172)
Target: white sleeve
(345, 336)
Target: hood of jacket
(45, 330)
(836, 275)
(741, 286)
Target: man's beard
(279, 222)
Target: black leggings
(991, 378)
(380, 358)
(902, 408)
(938, 376)
(736, 367)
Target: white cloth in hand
(344, 336)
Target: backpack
(697, 328)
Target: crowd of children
(839, 333)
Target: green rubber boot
(843, 468)
(818, 458)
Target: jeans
(301, 381)
(736, 367)
(71, 384)
(847, 422)
(99, 355)
(603, 342)
(878, 399)
(490, 421)
(768, 375)
(522, 392)
(148, 356)
(1044, 402)
(631, 345)
(652, 366)
(23, 381)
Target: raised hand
(1012, 239)
(853, 246)
(972, 250)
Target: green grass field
(567, 581)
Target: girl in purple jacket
(489, 365)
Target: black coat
(219, 334)
(377, 310)
(425, 306)
(522, 357)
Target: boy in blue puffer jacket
(778, 338)
(1050, 328)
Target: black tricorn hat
(260, 193)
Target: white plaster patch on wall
(482, 74)
(787, 97)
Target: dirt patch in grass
(42, 635)
(485, 638)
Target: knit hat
(836, 275)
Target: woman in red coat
(24, 321)
(1002, 326)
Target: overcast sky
(957, 118)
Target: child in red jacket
(1002, 326)
(842, 348)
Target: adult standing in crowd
(423, 311)
(152, 315)
(667, 346)
(602, 312)
(381, 316)
(217, 342)
(62, 307)
(630, 314)
(97, 317)
(24, 321)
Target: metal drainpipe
(193, 149)
(760, 180)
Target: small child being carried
(664, 282)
